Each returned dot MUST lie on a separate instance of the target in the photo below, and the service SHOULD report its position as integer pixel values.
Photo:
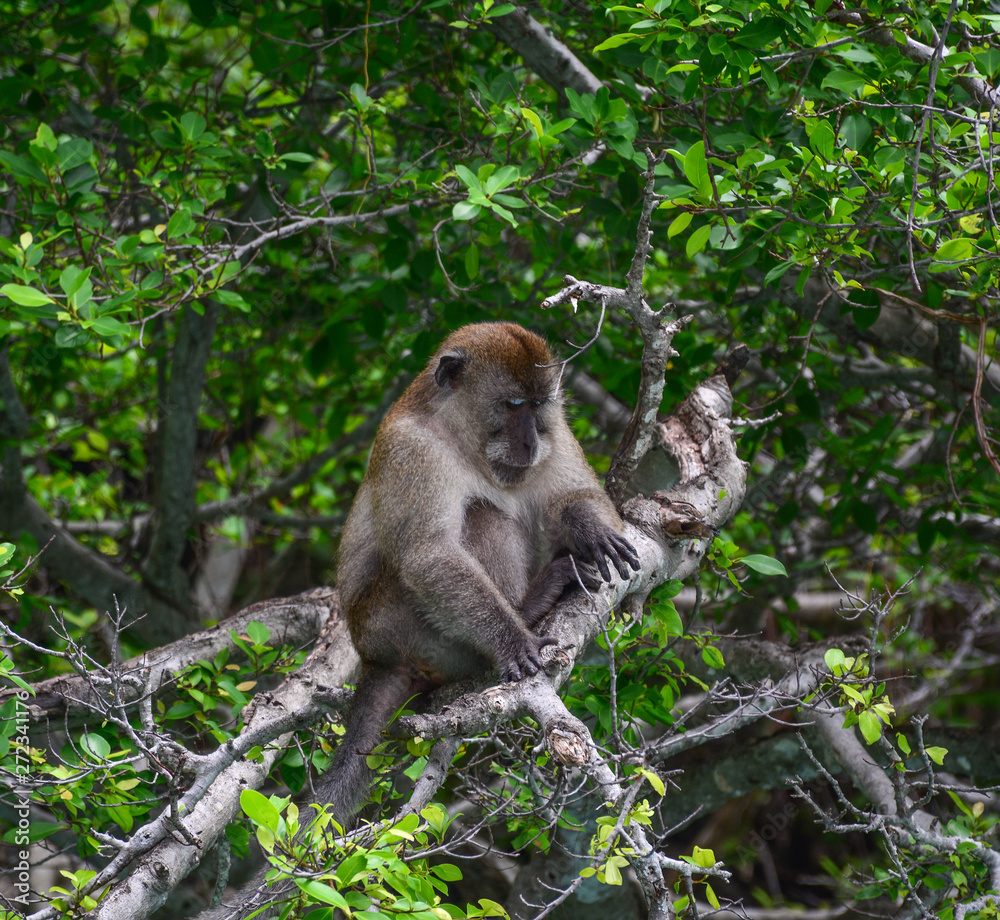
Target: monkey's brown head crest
(485, 347)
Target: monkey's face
(518, 437)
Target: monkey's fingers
(529, 659)
(585, 574)
(627, 550)
(510, 672)
(620, 551)
(598, 556)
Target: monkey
(477, 511)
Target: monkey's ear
(449, 369)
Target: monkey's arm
(582, 519)
(458, 598)
(421, 540)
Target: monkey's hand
(561, 574)
(525, 659)
(596, 543)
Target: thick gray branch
(985, 95)
(545, 54)
(293, 621)
(899, 329)
(167, 859)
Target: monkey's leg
(380, 694)
(562, 574)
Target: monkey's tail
(379, 695)
(345, 785)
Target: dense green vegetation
(231, 233)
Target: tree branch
(176, 470)
(545, 54)
(293, 621)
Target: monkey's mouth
(507, 472)
(512, 457)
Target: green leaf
(869, 892)
(180, 224)
(351, 869)
(509, 201)
(855, 130)
(665, 613)
(845, 80)
(937, 754)
(954, 250)
(704, 858)
(25, 296)
(871, 727)
(73, 152)
(775, 273)
(295, 157)
(766, 565)
(361, 97)
(193, 125)
(465, 210)
(72, 279)
(697, 240)
(107, 326)
(834, 658)
(259, 809)
(71, 336)
(468, 177)
(760, 32)
(865, 318)
(679, 224)
(506, 175)
(823, 140)
(45, 137)
(96, 745)
(654, 780)
(321, 891)
(713, 657)
(534, 121)
(504, 213)
(22, 168)
(447, 872)
(770, 77)
(502, 10)
(258, 632)
(265, 146)
(696, 168)
(612, 874)
(616, 41)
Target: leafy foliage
(329, 187)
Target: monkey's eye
(516, 402)
(536, 402)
